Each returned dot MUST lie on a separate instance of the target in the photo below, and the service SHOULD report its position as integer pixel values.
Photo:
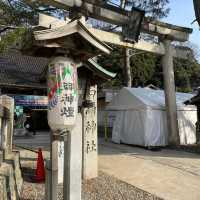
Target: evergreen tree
(19, 13)
(156, 9)
(16, 17)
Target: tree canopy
(16, 17)
(20, 13)
(153, 8)
(145, 67)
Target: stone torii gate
(166, 33)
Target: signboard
(30, 100)
(62, 93)
(131, 30)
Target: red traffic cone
(40, 172)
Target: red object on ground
(40, 172)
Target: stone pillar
(90, 145)
(75, 163)
(8, 121)
(170, 94)
(1, 132)
(48, 180)
(73, 147)
(54, 168)
(1, 121)
(60, 161)
(4, 136)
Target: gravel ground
(33, 191)
(104, 187)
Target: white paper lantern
(62, 93)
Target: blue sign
(31, 100)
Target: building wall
(106, 117)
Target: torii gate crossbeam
(118, 16)
(46, 21)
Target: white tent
(141, 117)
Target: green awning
(98, 70)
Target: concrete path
(41, 139)
(169, 174)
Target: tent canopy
(143, 98)
(141, 117)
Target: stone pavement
(40, 140)
(169, 174)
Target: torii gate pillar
(170, 93)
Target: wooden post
(170, 94)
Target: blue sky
(182, 14)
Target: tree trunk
(127, 69)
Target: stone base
(10, 177)
(8, 183)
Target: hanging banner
(62, 93)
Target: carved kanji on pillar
(90, 168)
